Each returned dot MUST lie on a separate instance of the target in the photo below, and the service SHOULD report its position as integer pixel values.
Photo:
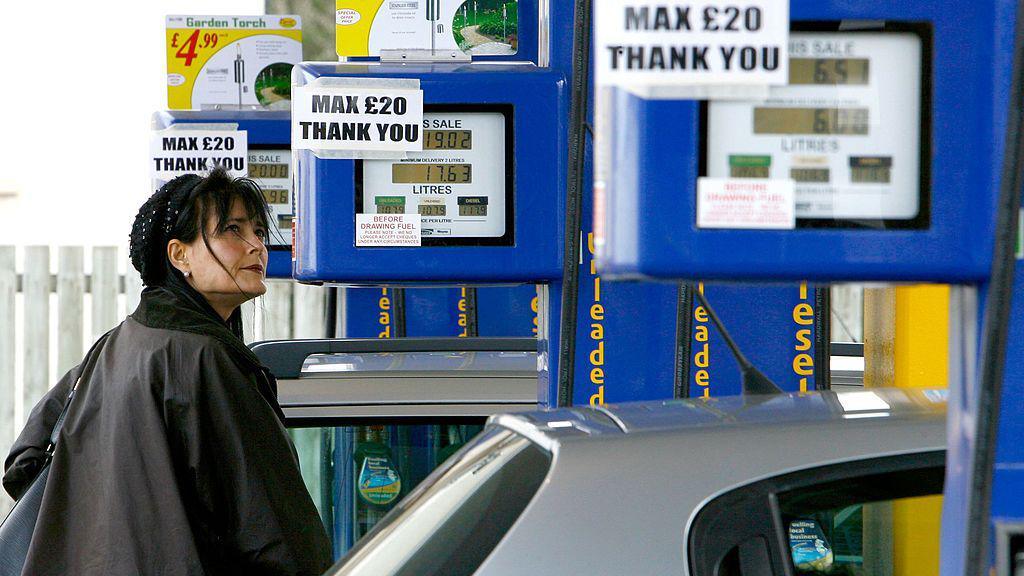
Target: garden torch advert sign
(476, 27)
(231, 62)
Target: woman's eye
(261, 233)
(231, 228)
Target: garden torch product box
(231, 62)
(477, 27)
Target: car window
(452, 522)
(876, 517)
(357, 474)
(880, 525)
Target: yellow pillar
(906, 345)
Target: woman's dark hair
(181, 210)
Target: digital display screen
(268, 170)
(828, 71)
(432, 173)
(749, 166)
(870, 169)
(390, 204)
(473, 206)
(447, 139)
(473, 210)
(460, 184)
(432, 210)
(850, 129)
(275, 195)
(814, 175)
(821, 121)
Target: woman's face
(240, 249)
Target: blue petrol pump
(892, 127)
(269, 139)
(629, 342)
(498, 312)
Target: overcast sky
(81, 82)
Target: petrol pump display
(271, 169)
(269, 163)
(874, 162)
(847, 129)
(480, 184)
(460, 184)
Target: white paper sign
(355, 120)
(388, 230)
(175, 152)
(746, 203)
(691, 43)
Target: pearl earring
(187, 273)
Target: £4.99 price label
(241, 61)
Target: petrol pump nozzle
(754, 381)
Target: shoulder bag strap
(89, 363)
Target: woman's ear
(177, 253)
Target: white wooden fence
(50, 315)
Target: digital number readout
(390, 209)
(268, 170)
(811, 175)
(432, 209)
(431, 173)
(828, 71)
(275, 195)
(830, 121)
(447, 140)
(871, 169)
(472, 209)
(749, 171)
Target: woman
(173, 458)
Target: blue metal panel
(325, 248)
(370, 313)
(434, 312)
(773, 327)
(264, 128)
(507, 311)
(971, 62)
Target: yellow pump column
(906, 345)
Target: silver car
(844, 482)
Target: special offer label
(357, 119)
(388, 230)
(700, 42)
(740, 203)
(177, 152)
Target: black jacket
(173, 459)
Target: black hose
(996, 326)
(822, 338)
(331, 314)
(574, 202)
(684, 340)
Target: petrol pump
(269, 163)
(366, 313)
(890, 134)
(488, 187)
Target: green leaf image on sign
(379, 482)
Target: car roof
(819, 408)
(627, 480)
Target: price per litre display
(271, 169)
(846, 129)
(458, 185)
